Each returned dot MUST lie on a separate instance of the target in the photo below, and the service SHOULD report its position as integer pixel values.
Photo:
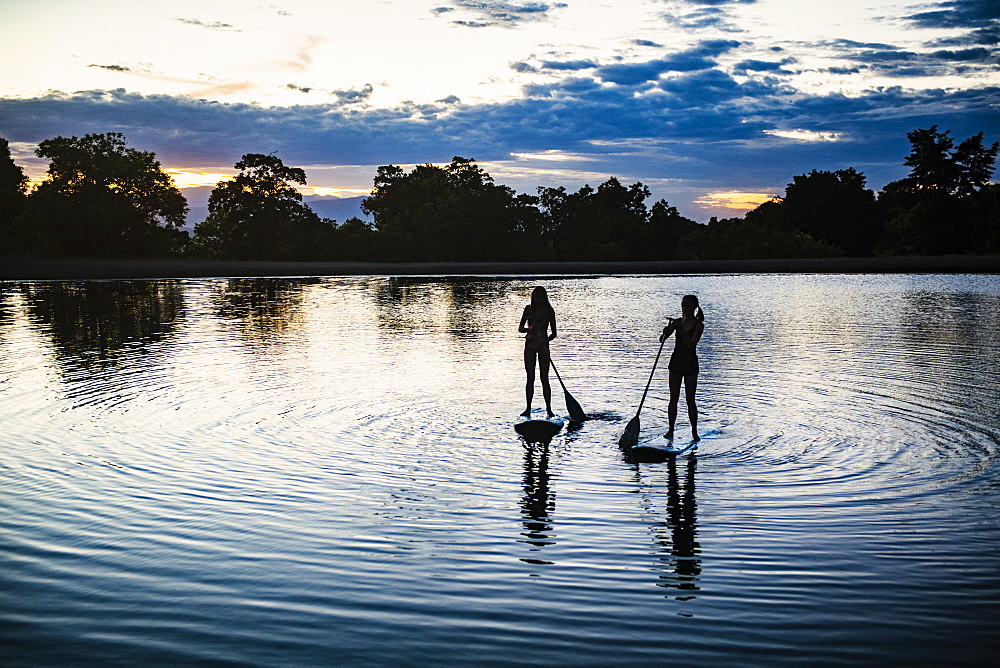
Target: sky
(715, 105)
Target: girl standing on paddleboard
(684, 360)
(537, 319)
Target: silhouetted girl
(537, 319)
(684, 360)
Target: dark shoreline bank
(24, 268)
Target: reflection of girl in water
(536, 320)
(684, 361)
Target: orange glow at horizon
(742, 201)
(325, 191)
(191, 178)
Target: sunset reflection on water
(288, 470)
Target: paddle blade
(631, 434)
(576, 413)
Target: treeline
(102, 198)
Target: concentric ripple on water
(310, 471)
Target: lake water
(324, 471)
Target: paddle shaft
(649, 382)
(630, 436)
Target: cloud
(214, 25)
(351, 96)
(720, 2)
(301, 89)
(702, 19)
(487, 13)
(112, 68)
(959, 14)
(965, 55)
(692, 133)
(568, 65)
(701, 57)
(763, 66)
(646, 42)
(892, 61)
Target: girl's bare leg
(690, 385)
(674, 379)
(529, 386)
(543, 372)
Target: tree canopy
(455, 212)
(12, 185)
(938, 207)
(258, 214)
(834, 207)
(100, 197)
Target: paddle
(631, 434)
(576, 413)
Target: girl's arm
(524, 319)
(553, 320)
(691, 339)
(669, 329)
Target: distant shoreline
(29, 269)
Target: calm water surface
(316, 471)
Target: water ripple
(285, 471)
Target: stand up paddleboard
(659, 449)
(652, 453)
(538, 430)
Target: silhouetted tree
(931, 210)
(455, 212)
(356, 239)
(760, 234)
(12, 185)
(930, 160)
(609, 223)
(102, 198)
(258, 214)
(984, 212)
(974, 164)
(834, 207)
(666, 229)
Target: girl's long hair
(540, 301)
(691, 302)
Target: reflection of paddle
(576, 413)
(631, 434)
